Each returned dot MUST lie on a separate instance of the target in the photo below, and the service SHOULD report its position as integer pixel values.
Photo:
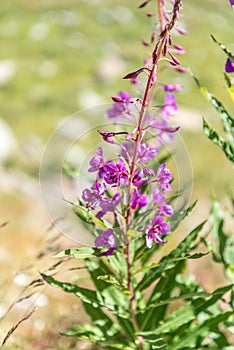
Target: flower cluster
(147, 189)
(133, 188)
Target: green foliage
(163, 323)
(154, 303)
(223, 252)
(226, 147)
(225, 143)
(223, 47)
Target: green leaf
(108, 300)
(86, 295)
(181, 215)
(153, 340)
(225, 50)
(162, 291)
(115, 298)
(89, 218)
(226, 147)
(227, 120)
(118, 264)
(227, 80)
(126, 327)
(186, 257)
(230, 88)
(100, 319)
(200, 330)
(86, 332)
(112, 280)
(81, 253)
(187, 244)
(225, 241)
(203, 303)
(177, 318)
(70, 170)
(170, 300)
(167, 262)
(117, 345)
(185, 315)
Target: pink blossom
(164, 177)
(170, 106)
(115, 174)
(97, 162)
(155, 229)
(121, 105)
(106, 240)
(146, 152)
(138, 200)
(94, 196)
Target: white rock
(48, 69)
(39, 31)
(8, 69)
(41, 299)
(21, 279)
(89, 98)
(8, 142)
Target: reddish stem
(158, 51)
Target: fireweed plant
(137, 299)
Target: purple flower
(145, 153)
(170, 87)
(97, 162)
(138, 178)
(161, 126)
(138, 200)
(94, 196)
(106, 240)
(158, 197)
(164, 176)
(109, 204)
(232, 2)
(229, 66)
(107, 136)
(115, 174)
(165, 209)
(121, 105)
(155, 229)
(148, 171)
(170, 106)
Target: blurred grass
(58, 46)
(54, 52)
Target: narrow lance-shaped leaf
(226, 147)
(166, 262)
(225, 241)
(186, 257)
(162, 291)
(86, 332)
(87, 217)
(181, 215)
(223, 47)
(230, 88)
(156, 342)
(228, 121)
(92, 297)
(160, 302)
(177, 318)
(201, 330)
(81, 253)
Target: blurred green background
(60, 56)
